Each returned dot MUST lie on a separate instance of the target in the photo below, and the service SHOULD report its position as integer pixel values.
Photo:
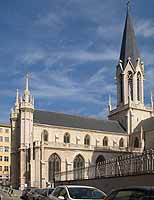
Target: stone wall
(108, 184)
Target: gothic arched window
(67, 138)
(45, 135)
(130, 84)
(87, 140)
(121, 142)
(54, 164)
(136, 142)
(121, 87)
(100, 170)
(105, 141)
(138, 86)
(78, 166)
(100, 159)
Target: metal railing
(82, 146)
(127, 165)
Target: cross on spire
(128, 4)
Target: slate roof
(73, 121)
(129, 46)
(147, 124)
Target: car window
(85, 193)
(128, 195)
(63, 193)
(56, 192)
(50, 191)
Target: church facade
(44, 142)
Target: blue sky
(70, 49)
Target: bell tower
(130, 109)
(22, 126)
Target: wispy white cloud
(94, 56)
(105, 31)
(50, 58)
(145, 28)
(63, 88)
(33, 56)
(148, 57)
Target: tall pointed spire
(17, 99)
(26, 82)
(26, 93)
(129, 47)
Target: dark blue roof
(73, 121)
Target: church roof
(73, 121)
(146, 124)
(129, 45)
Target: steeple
(26, 93)
(17, 99)
(129, 48)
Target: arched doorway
(78, 166)
(100, 159)
(54, 164)
(100, 166)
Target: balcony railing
(84, 147)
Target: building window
(45, 135)
(6, 130)
(6, 139)
(6, 168)
(6, 149)
(67, 138)
(1, 158)
(78, 166)
(138, 86)
(136, 142)
(87, 140)
(1, 130)
(54, 167)
(121, 142)
(105, 141)
(6, 158)
(1, 148)
(130, 84)
(1, 138)
(0, 168)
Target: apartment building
(5, 145)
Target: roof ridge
(79, 116)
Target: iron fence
(130, 164)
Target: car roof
(76, 186)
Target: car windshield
(85, 193)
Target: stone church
(45, 142)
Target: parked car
(73, 192)
(46, 192)
(25, 193)
(132, 193)
(34, 194)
